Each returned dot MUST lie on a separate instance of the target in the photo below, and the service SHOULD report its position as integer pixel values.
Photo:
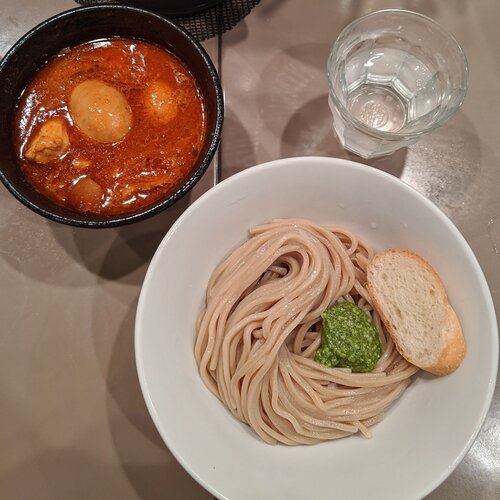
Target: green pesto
(349, 339)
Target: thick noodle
(260, 329)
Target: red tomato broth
(148, 163)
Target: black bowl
(78, 26)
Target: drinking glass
(394, 75)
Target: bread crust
(453, 344)
(454, 350)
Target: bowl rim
(197, 173)
(139, 332)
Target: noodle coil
(260, 328)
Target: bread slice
(412, 303)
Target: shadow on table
(80, 476)
(297, 75)
(309, 131)
(149, 466)
(76, 474)
(237, 147)
(53, 468)
(115, 253)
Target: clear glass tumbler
(394, 75)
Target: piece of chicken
(100, 111)
(50, 143)
(85, 195)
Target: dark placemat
(208, 23)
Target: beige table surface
(73, 423)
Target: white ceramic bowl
(424, 435)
